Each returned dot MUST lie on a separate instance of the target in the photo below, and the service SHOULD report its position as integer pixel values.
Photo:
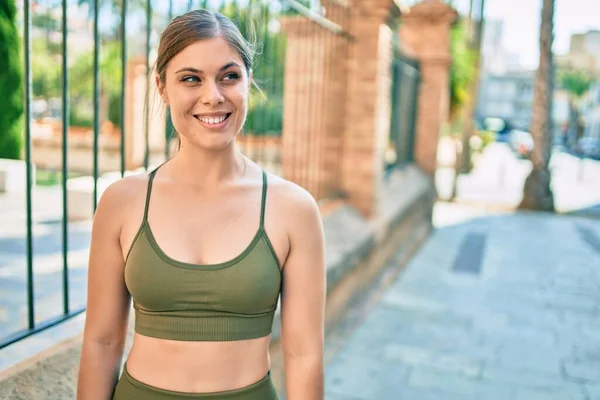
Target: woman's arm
(107, 301)
(303, 301)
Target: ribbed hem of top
(211, 328)
(129, 388)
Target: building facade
(584, 52)
(496, 59)
(508, 96)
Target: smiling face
(206, 87)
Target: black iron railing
(406, 76)
(265, 118)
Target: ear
(251, 79)
(161, 90)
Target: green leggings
(129, 388)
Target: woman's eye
(232, 76)
(190, 79)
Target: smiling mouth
(213, 120)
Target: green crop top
(233, 300)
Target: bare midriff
(198, 367)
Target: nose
(211, 94)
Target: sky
(522, 18)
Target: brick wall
(425, 35)
(337, 105)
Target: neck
(202, 167)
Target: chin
(213, 142)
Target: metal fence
(82, 93)
(406, 78)
(316, 94)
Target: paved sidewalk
(47, 263)
(521, 324)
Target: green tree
(45, 21)
(113, 30)
(46, 69)
(47, 79)
(81, 73)
(576, 82)
(81, 81)
(265, 113)
(11, 83)
(463, 67)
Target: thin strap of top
(263, 201)
(262, 207)
(150, 178)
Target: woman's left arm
(303, 302)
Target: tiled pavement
(521, 324)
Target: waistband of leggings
(260, 387)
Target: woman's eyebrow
(197, 71)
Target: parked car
(589, 147)
(499, 126)
(521, 142)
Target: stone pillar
(368, 110)
(425, 35)
(135, 115)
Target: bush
(483, 138)
(11, 84)
(488, 137)
(265, 118)
(80, 119)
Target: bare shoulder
(293, 203)
(125, 190)
(122, 196)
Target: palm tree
(537, 193)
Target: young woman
(204, 245)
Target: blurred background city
(453, 148)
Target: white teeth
(212, 121)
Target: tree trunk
(464, 165)
(537, 193)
